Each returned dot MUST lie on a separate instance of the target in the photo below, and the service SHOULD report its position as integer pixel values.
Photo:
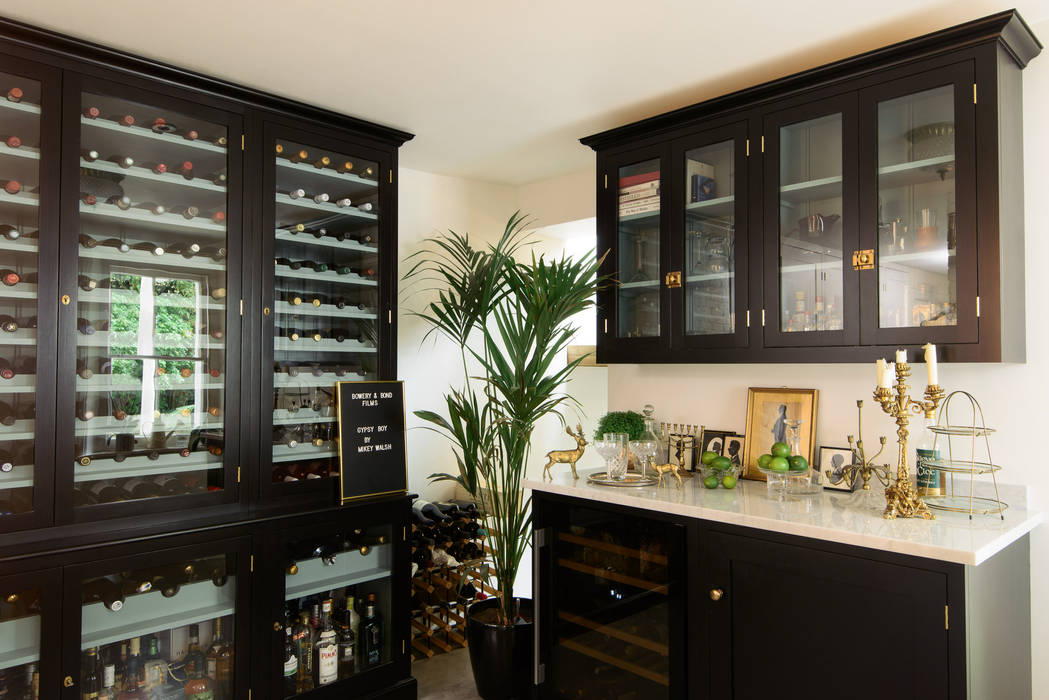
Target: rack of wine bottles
(326, 258)
(19, 644)
(20, 115)
(151, 303)
(337, 599)
(448, 573)
(162, 632)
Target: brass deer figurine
(662, 470)
(569, 457)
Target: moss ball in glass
(630, 422)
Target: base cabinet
(754, 614)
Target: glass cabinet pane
(337, 604)
(160, 632)
(19, 221)
(151, 303)
(638, 250)
(710, 225)
(19, 643)
(326, 301)
(916, 210)
(810, 205)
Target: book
(640, 194)
(640, 187)
(642, 208)
(638, 179)
(700, 180)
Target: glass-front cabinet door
(711, 305)
(28, 613)
(810, 225)
(28, 225)
(919, 218)
(150, 333)
(159, 626)
(327, 319)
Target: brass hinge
(673, 279)
(946, 617)
(748, 318)
(391, 177)
(863, 259)
(748, 148)
(763, 318)
(242, 142)
(251, 563)
(241, 307)
(238, 474)
(977, 307)
(606, 181)
(974, 93)
(762, 144)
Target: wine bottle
(297, 194)
(8, 323)
(29, 322)
(85, 327)
(185, 169)
(191, 135)
(299, 156)
(161, 126)
(317, 266)
(153, 208)
(187, 212)
(320, 232)
(7, 460)
(322, 162)
(367, 206)
(90, 679)
(14, 94)
(90, 155)
(124, 119)
(186, 250)
(218, 293)
(83, 413)
(12, 141)
(316, 336)
(121, 201)
(88, 199)
(290, 333)
(82, 370)
(343, 202)
(87, 241)
(158, 168)
(345, 166)
(221, 141)
(140, 487)
(170, 485)
(122, 161)
(217, 334)
(339, 302)
(9, 232)
(12, 186)
(7, 414)
(218, 178)
(218, 217)
(83, 281)
(321, 198)
(91, 112)
(6, 370)
(293, 264)
(367, 172)
(109, 593)
(149, 248)
(295, 229)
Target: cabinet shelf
(179, 143)
(142, 259)
(916, 172)
(613, 575)
(165, 340)
(283, 307)
(719, 206)
(612, 548)
(107, 215)
(19, 641)
(325, 345)
(641, 671)
(18, 384)
(18, 478)
(644, 284)
(325, 242)
(709, 277)
(305, 380)
(22, 107)
(23, 336)
(166, 382)
(608, 630)
(328, 208)
(174, 180)
(18, 202)
(194, 603)
(647, 217)
(106, 469)
(305, 174)
(27, 152)
(108, 425)
(811, 190)
(302, 417)
(21, 430)
(350, 568)
(124, 296)
(19, 291)
(283, 453)
(306, 274)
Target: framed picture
(735, 449)
(833, 461)
(713, 441)
(769, 411)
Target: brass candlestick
(861, 466)
(901, 498)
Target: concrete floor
(446, 677)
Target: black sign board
(371, 439)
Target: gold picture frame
(766, 408)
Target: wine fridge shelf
(21, 199)
(107, 339)
(20, 291)
(305, 274)
(635, 669)
(138, 173)
(148, 260)
(107, 469)
(18, 384)
(612, 548)
(167, 382)
(305, 380)
(325, 345)
(20, 641)
(613, 576)
(610, 631)
(124, 296)
(139, 219)
(110, 425)
(283, 307)
(350, 568)
(328, 208)
(301, 417)
(18, 478)
(179, 142)
(283, 453)
(306, 238)
(27, 152)
(23, 336)
(24, 108)
(194, 603)
(307, 174)
(21, 430)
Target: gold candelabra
(861, 466)
(901, 498)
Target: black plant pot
(501, 657)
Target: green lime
(763, 461)
(708, 457)
(780, 449)
(721, 464)
(798, 463)
(711, 482)
(779, 464)
(728, 481)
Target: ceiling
(495, 90)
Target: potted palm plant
(511, 319)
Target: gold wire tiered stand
(971, 467)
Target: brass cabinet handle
(277, 626)
(67, 682)
(673, 279)
(716, 594)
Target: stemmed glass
(611, 447)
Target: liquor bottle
(291, 662)
(14, 94)
(121, 201)
(8, 323)
(220, 661)
(302, 639)
(122, 161)
(929, 479)
(155, 667)
(12, 186)
(322, 162)
(90, 679)
(347, 643)
(326, 650)
(371, 635)
(109, 682)
(10, 232)
(90, 155)
(194, 660)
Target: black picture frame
(709, 438)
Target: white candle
(890, 374)
(881, 374)
(930, 364)
(901, 357)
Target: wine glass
(609, 446)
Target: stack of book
(639, 194)
(700, 181)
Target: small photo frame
(735, 449)
(713, 441)
(768, 411)
(833, 461)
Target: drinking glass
(610, 446)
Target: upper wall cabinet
(831, 216)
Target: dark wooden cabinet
(750, 613)
(830, 216)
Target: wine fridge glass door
(153, 316)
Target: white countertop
(834, 516)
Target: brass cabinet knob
(67, 682)
(716, 594)
(277, 626)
